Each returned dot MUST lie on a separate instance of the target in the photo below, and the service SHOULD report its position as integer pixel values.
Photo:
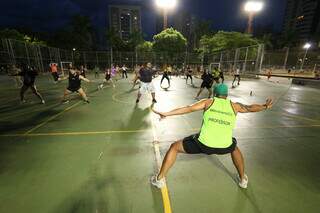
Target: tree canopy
(226, 40)
(170, 41)
(146, 46)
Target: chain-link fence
(250, 60)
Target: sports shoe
(42, 102)
(87, 102)
(154, 101)
(157, 183)
(137, 101)
(65, 101)
(244, 182)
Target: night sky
(48, 15)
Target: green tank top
(218, 123)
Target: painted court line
(164, 190)
(136, 131)
(75, 133)
(52, 117)
(28, 112)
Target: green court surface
(98, 157)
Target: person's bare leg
(112, 83)
(83, 94)
(170, 158)
(210, 92)
(65, 94)
(139, 96)
(35, 91)
(238, 161)
(200, 91)
(22, 91)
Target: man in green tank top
(215, 136)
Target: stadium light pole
(166, 5)
(252, 8)
(306, 47)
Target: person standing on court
(54, 72)
(28, 75)
(236, 76)
(207, 81)
(215, 136)
(124, 71)
(145, 76)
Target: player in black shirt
(207, 81)
(165, 76)
(28, 75)
(74, 85)
(189, 75)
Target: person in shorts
(74, 85)
(215, 136)
(107, 79)
(54, 72)
(145, 76)
(207, 81)
(28, 75)
(236, 76)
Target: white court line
(164, 190)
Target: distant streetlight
(252, 7)
(306, 47)
(166, 5)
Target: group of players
(219, 117)
(143, 75)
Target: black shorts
(192, 145)
(55, 76)
(73, 89)
(206, 85)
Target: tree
(203, 27)
(146, 46)
(79, 34)
(16, 35)
(11, 34)
(226, 40)
(288, 39)
(135, 39)
(169, 41)
(267, 40)
(114, 40)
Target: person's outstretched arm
(63, 78)
(242, 108)
(201, 105)
(84, 79)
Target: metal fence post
(59, 56)
(236, 56)
(261, 58)
(84, 58)
(245, 59)
(40, 58)
(286, 58)
(97, 59)
(25, 45)
(257, 58)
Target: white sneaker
(43, 102)
(157, 183)
(244, 182)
